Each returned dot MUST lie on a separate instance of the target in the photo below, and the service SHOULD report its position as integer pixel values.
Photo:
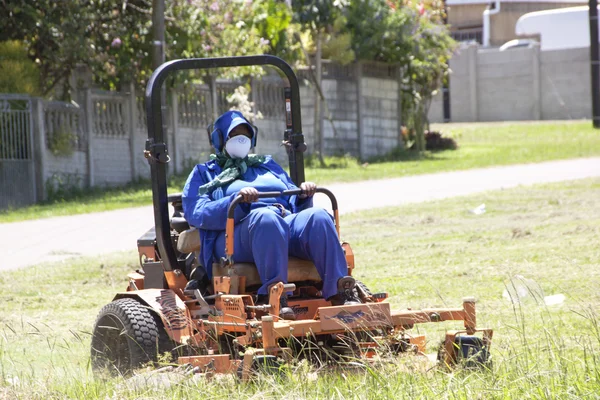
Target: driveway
(47, 240)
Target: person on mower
(264, 227)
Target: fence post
(359, 110)
(132, 121)
(89, 123)
(473, 55)
(175, 129)
(536, 81)
(39, 148)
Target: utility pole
(158, 58)
(595, 62)
(446, 81)
(158, 33)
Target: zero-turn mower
(171, 307)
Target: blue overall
(262, 229)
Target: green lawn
(424, 255)
(480, 145)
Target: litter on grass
(520, 289)
(480, 209)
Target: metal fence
(17, 174)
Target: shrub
(435, 141)
(61, 143)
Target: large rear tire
(127, 334)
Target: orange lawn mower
(216, 326)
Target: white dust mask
(238, 146)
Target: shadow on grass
(132, 192)
(396, 155)
(403, 155)
(139, 192)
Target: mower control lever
(262, 195)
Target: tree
(425, 72)
(114, 37)
(322, 19)
(18, 74)
(414, 39)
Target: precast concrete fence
(99, 138)
(519, 84)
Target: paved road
(46, 240)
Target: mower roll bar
(156, 147)
(229, 238)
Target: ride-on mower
(216, 326)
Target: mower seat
(298, 269)
(179, 224)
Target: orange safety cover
(368, 315)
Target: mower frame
(160, 288)
(156, 147)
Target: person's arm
(202, 211)
(298, 204)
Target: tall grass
(425, 255)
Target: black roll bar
(156, 148)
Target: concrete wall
(518, 84)
(341, 98)
(485, 85)
(379, 116)
(111, 161)
(500, 98)
(65, 170)
(363, 102)
(566, 84)
(270, 137)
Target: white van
(562, 28)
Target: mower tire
(472, 353)
(469, 352)
(127, 334)
(364, 288)
(262, 364)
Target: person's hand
(308, 189)
(249, 194)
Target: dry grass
(428, 254)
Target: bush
(62, 142)
(435, 141)
(61, 187)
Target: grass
(481, 145)
(424, 255)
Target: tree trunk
(419, 128)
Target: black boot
(285, 311)
(346, 295)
